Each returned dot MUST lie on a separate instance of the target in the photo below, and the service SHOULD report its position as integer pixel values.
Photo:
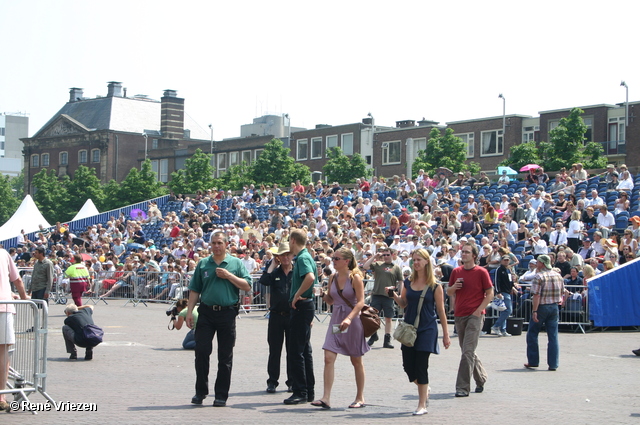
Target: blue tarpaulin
(614, 296)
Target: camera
(173, 312)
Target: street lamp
(146, 139)
(373, 131)
(211, 130)
(626, 106)
(504, 108)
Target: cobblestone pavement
(140, 374)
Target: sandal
(320, 403)
(357, 405)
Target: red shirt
(471, 295)
(365, 186)
(404, 218)
(175, 232)
(299, 189)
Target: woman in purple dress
(345, 334)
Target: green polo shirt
(304, 264)
(214, 290)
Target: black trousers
(299, 356)
(277, 332)
(210, 323)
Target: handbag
(498, 304)
(406, 333)
(91, 335)
(368, 316)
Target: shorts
(415, 364)
(384, 305)
(7, 336)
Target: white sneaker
(496, 331)
(420, 412)
(504, 333)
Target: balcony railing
(614, 147)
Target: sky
(328, 62)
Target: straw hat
(283, 248)
(610, 243)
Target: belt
(280, 313)
(220, 307)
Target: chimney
(405, 123)
(114, 89)
(75, 94)
(367, 121)
(172, 115)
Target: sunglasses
(337, 258)
(386, 255)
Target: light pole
(211, 131)
(626, 107)
(504, 109)
(146, 139)
(373, 131)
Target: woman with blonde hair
(415, 360)
(345, 334)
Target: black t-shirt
(77, 321)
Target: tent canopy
(88, 210)
(27, 217)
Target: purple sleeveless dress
(353, 342)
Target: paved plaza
(140, 374)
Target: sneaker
(504, 333)
(420, 412)
(496, 331)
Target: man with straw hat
(278, 278)
(547, 290)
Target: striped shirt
(549, 285)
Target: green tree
(51, 195)
(10, 202)
(84, 185)
(17, 184)
(276, 165)
(236, 177)
(111, 195)
(139, 185)
(342, 169)
(196, 175)
(444, 150)
(521, 155)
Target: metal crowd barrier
(139, 287)
(58, 294)
(28, 356)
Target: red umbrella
(529, 167)
(85, 257)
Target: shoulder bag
(368, 316)
(406, 333)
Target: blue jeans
(547, 315)
(501, 323)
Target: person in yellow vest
(78, 279)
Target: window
(154, 144)
(246, 157)
(616, 130)
(35, 160)
(303, 148)
(419, 145)
(469, 140)
(64, 158)
(222, 163)
(530, 134)
(391, 152)
(164, 170)
(553, 124)
(315, 176)
(2, 131)
(347, 144)
(234, 159)
(44, 159)
(316, 148)
(491, 143)
(95, 155)
(82, 157)
(332, 142)
(257, 154)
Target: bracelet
(536, 311)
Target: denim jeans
(547, 315)
(501, 323)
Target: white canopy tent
(88, 210)
(27, 217)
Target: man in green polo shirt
(299, 359)
(216, 283)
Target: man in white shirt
(595, 199)
(538, 246)
(528, 276)
(397, 245)
(597, 243)
(586, 250)
(375, 202)
(536, 202)
(317, 212)
(367, 206)
(558, 237)
(605, 221)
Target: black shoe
(271, 388)
(636, 352)
(479, 389)
(311, 396)
(289, 389)
(219, 402)
(461, 394)
(373, 339)
(197, 399)
(387, 341)
(296, 399)
(73, 356)
(88, 354)
(553, 369)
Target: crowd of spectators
(573, 218)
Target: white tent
(27, 218)
(88, 210)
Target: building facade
(13, 127)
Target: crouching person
(78, 318)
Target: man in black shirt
(77, 319)
(278, 278)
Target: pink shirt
(8, 270)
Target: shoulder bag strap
(340, 293)
(417, 321)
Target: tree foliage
(10, 202)
(196, 175)
(343, 169)
(565, 147)
(51, 195)
(138, 186)
(236, 177)
(444, 150)
(276, 165)
(84, 185)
